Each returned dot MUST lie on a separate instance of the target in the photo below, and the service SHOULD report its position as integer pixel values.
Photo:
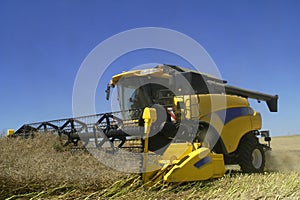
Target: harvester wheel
(251, 156)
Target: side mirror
(107, 91)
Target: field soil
(285, 154)
(40, 168)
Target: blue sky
(255, 45)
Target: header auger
(185, 124)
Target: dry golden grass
(33, 169)
(35, 164)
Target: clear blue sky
(255, 44)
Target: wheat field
(39, 168)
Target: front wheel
(251, 156)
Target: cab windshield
(135, 93)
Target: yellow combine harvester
(186, 125)
(210, 124)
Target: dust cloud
(285, 154)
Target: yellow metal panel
(177, 151)
(214, 102)
(10, 132)
(149, 116)
(153, 72)
(199, 165)
(256, 121)
(117, 77)
(234, 130)
(209, 103)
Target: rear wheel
(251, 156)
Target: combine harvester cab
(176, 119)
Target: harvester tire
(251, 156)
